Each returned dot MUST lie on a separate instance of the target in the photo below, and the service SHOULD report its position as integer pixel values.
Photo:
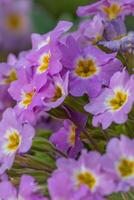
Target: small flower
(15, 138)
(81, 179)
(25, 93)
(45, 56)
(89, 67)
(27, 190)
(120, 164)
(57, 90)
(109, 9)
(115, 102)
(15, 24)
(90, 31)
(67, 139)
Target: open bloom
(90, 68)
(25, 93)
(57, 90)
(15, 138)
(67, 139)
(109, 9)
(15, 24)
(7, 75)
(120, 163)
(90, 31)
(115, 102)
(27, 190)
(80, 179)
(45, 55)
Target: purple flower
(31, 100)
(109, 9)
(90, 68)
(25, 93)
(45, 56)
(114, 29)
(15, 25)
(120, 163)
(124, 44)
(57, 90)
(67, 139)
(115, 102)
(27, 190)
(15, 138)
(89, 31)
(93, 29)
(39, 41)
(80, 179)
(8, 74)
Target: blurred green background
(47, 13)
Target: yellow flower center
(86, 178)
(97, 39)
(14, 21)
(118, 100)
(12, 77)
(44, 64)
(58, 94)
(26, 99)
(13, 140)
(72, 135)
(126, 168)
(112, 11)
(86, 68)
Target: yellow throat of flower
(72, 135)
(86, 178)
(26, 99)
(112, 11)
(45, 60)
(86, 68)
(12, 77)
(14, 22)
(116, 102)
(126, 168)
(58, 94)
(13, 140)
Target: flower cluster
(93, 176)
(75, 90)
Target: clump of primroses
(60, 100)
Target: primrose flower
(27, 190)
(81, 179)
(8, 74)
(120, 164)
(115, 102)
(15, 138)
(90, 31)
(115, 29)
(45, 55)
(53, 37)
(109, 9)
(15, 24)
(67, 139)
(90, 68)
(25, 93)
(57, 91)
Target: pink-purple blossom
(15, 138)
(90, 68)
(27, 190)
(115, 102)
